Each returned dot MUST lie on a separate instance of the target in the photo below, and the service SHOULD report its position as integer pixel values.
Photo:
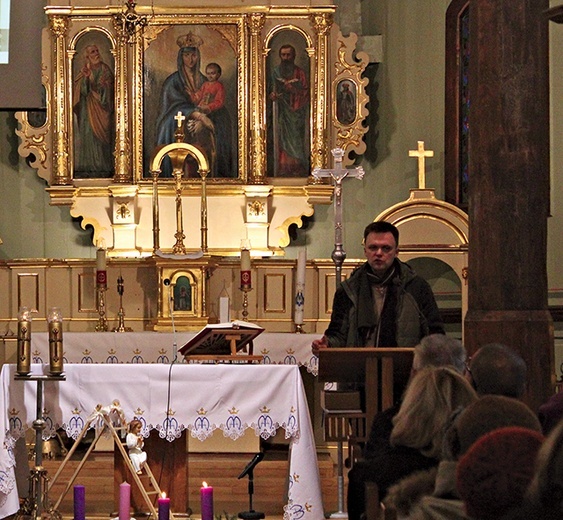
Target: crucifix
(421, 153)
(338, 174)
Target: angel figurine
(135, 445)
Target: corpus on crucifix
(338, 174)
(422, 154)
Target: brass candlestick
(102, 325)
(245, 291)
(121, 314)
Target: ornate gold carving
(248, 31)
(349, 69)
(58, 25)
(256, 208)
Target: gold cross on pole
(421, 153)
(179, 117)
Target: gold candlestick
(24, 342)
(121, 314)
(102, 325)
(245, 292)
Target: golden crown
(189, 40)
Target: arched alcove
(432, 229)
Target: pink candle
(79, 502)
(124, 501)
(164, 507)
(206, 502)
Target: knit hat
(489, 413)
(494, 474)
(551, 412)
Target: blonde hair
(431, 397)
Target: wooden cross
(179, 117)
(338, 174)
(421, 153)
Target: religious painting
(93, 106)
(346, 102)
(288, 106)
(183, 294)
(190, 82)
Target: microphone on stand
(249, 470)
(166, 282)
(252, 464)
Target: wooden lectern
(380, 369)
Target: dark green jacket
(409, 312)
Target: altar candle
(245, 275)
(79, 502)
(300, 286)
(124, 501)
(101, 259)
(101, 276)
(206, 502)
(164, 507)
(224, 309)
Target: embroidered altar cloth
(206, 400)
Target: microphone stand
(249, 470)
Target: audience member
(494, 474)
(435, 350)
(499, 370)
(416, 439)
(544, 498)
(551, 412)
(433, 494)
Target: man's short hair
(439, 350)
(382, 227)
(499, 370)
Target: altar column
(509, 185)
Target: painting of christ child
(192, 69)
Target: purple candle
(164, 507)
(124, 501)
(206, 502)
(79, 502)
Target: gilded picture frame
(140, 46)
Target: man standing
(384, 303)
(290, 98)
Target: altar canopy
(206, 400)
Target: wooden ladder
(107, 425)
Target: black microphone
(166, 282)
(251, 465)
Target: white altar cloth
(280, 348)
(170, 399)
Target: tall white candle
(101, 259)
(301, 266)
(300, 286)
(224, 309)
(245, 274)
